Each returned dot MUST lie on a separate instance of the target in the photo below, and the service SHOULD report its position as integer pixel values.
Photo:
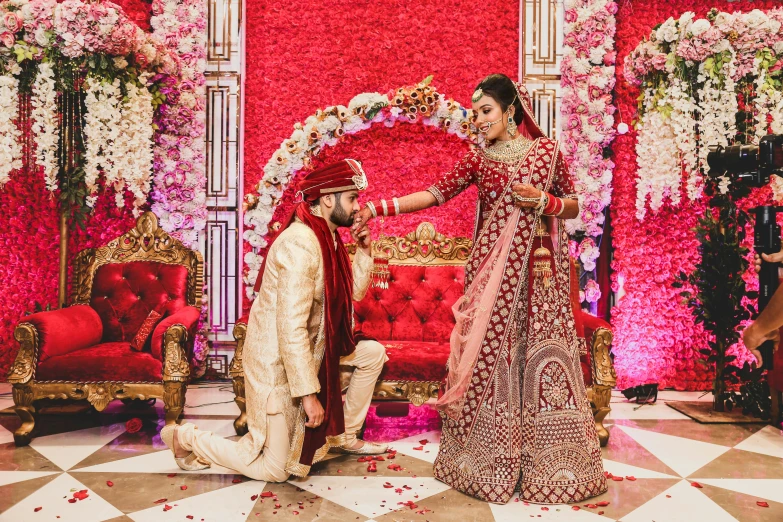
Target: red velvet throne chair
(84, 351)
(413, 320)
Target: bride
(515, 410)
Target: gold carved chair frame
(146, 242)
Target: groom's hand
(313, 410)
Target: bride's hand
(524, 190)
(361, 219)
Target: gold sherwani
(284, 344)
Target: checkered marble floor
(133, 477)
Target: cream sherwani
(283, 349)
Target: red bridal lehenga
(515, 410)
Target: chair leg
(240, 423)
(602, 395)
(25, 409)
(174, 401)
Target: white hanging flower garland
(10, 147)
(45, 128)
(119, 140)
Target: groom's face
(346, 206)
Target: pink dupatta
(472, 312)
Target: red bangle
(551, 205)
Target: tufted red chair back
(415, 307)
(124, 293)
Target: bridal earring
(511, 128)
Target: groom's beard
(340, 217)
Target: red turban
(344, 175)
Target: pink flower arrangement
(179, 193)
(179, 190)
(687, 39)
(587, 80)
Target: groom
(299, 332)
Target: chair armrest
(65, 330)
(187, 317)
(236, 369)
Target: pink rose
(574, 122)
(571, 16)
(778, 66)
(597, 39)
(12, 22)
(7, 39)
(610, 58)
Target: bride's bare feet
(179, 451)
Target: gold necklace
(510, 151)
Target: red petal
(380, 457)
(236, 480)
(189, 517)
(277, 506)
(423, 442)
(607, 474)
(575, 508)
(362, 459)
(254, 497)
(418, 448)
(81, 495)
(631, 478)
(600, 512)
(166, 507)
(761, 503)
(668, 496)
(160, 501)
(603, 503)
(38, 509)
(544, 509)
(388, 486)
(72, 500)
(267, 494)
(591, 506)
(183, 487)
(391, 456)
(110, 483)
(696, 485)
(170, 475)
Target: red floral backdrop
(655, 336)
(305, 56)
(29, 237)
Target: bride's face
(489, 118)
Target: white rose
(778, 47)
(754, 18)
(724, 19)
(700, 26)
